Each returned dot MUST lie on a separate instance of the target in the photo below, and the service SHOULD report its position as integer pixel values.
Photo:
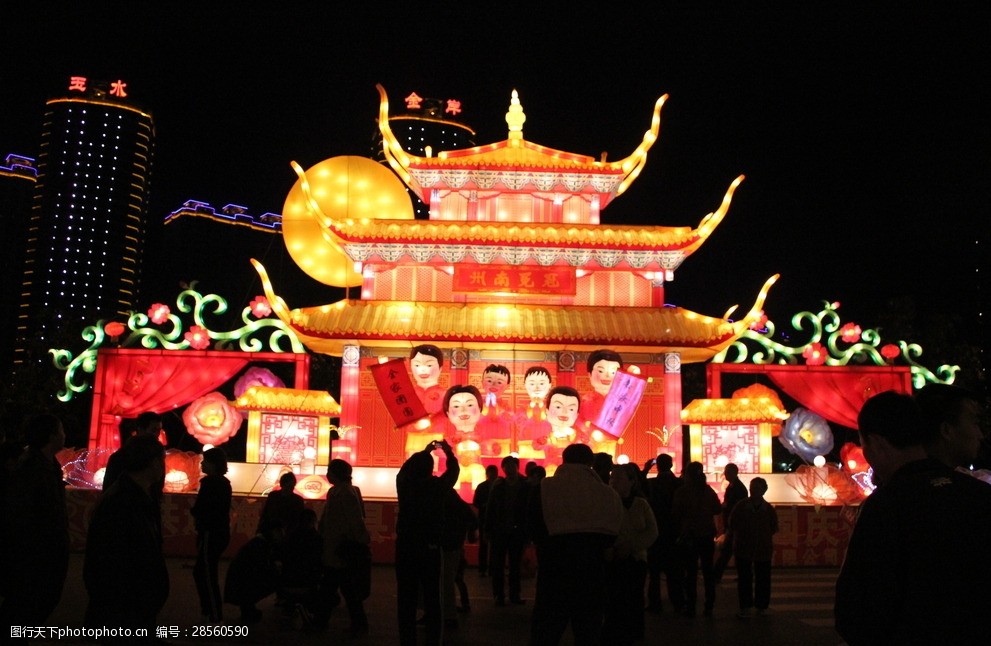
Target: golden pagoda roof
(328, 328)
(353, 235)
(263, 398)
(736, 410)
(516, 154)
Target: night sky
(862, 127)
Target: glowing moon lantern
(211, 419)
(342, 188)
(806, 434)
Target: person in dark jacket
(419, 530)
(661, 557)
(917, 566)
(694, 512)
(505, 525)
(283, 506)
(36, 528)
(212, 512)
(750, 535)
(253, 573)
(735, 492)
(573, 521)
(124, 569)
(481, 501)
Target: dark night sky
(862, 127)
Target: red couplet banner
(621, 403)
(396, 388)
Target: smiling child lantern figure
(425, 362)
(531, 420)
(498, 421)
(463, 407)
(602, 368)
(563, 405)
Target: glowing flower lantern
(197, 337)
(260, 307)
(114, 329)
(815, 354)
(182, 471)
(850, 332)
(159, 313)
(256, 376)
(825, 485)
(806, 435)
(211, 419)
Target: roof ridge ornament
(515, 119)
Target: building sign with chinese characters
(116, 88)
(449, 107)
(515, 279)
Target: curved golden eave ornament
(628, 168)
(712, 220)
(328, 328)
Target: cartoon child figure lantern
(463, 407)
(425, 363)
(531, 420)
(563, 405)
(499, 422)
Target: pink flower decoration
(159, 313)
(211, 419)
(760, 323)
(260, 307)
(815, 354)
(198, 338)
(255, 376)
(850, 332)
(890, 351)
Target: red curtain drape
(838, 393)
(131, 382)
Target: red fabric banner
(397, 391)
(621, 403)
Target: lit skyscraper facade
(86, 233)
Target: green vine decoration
(833, 343)
(161, 328)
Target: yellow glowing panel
(337, 189)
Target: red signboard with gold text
(515, 279)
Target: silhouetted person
(124, 568)
(750, 535)
(283, 505)
(147, 423)
(36, 526)
(917, 566)
(481, 501)
(573, 521)
(662, 556)
(694, 512)
(301, 555)
(418, 537)
(253, 573)
(602, 465)
(627, 560)
(735, 492)
(505, 524)
(952, 416)
(345, 540)
(460, 525)
(212, 513)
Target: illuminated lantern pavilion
(514, 268)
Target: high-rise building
(17, 178)
(426, 125)
(85, 237)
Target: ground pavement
(801, 601)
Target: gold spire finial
(515, 118)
